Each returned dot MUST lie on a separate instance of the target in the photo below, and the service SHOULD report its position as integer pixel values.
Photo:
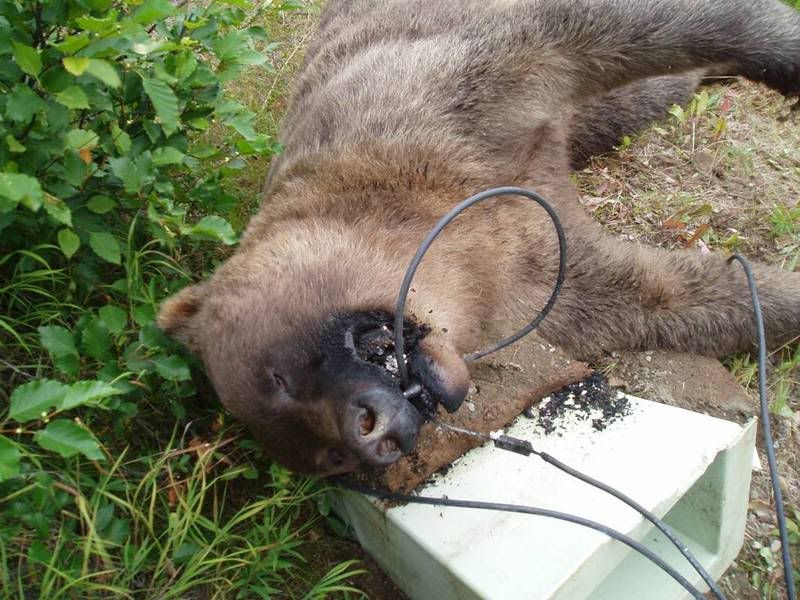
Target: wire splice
(513, 444)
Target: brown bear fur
(401, 110)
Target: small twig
(16, 370)
(67, 488)
(210, 447)
(28, 128)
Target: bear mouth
(375, 345)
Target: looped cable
(400, 308)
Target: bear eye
(279, 380)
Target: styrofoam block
(692, 466)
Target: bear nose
(380, 426)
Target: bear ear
(176, 314)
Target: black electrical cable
(766, 427)
(531, 510)
(525, 448)
(400, 309)
(658, 523)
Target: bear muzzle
(379, 426)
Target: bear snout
(379, 426)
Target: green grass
(184, 521)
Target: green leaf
(9, 459)
(68, 439)
(73, 97)
(105, 72)
(75, 169)
(167, 156)
(27, 59)
(57, 340)
(152, 338)
(69, 364)
(13, 145)
(185, 65)
(96, 25)
(184, 552)
(230, 45)
(95, 339)
(106, 247)
(87, 392)
(122, 140)
(164, 101)
(60, 343)
(261, 144)
(39, 553)
(145, 48)
(144, 314)
(678, 112)
(75, 65)
(68, 242)
(135, 174)
(18, 187)
(160, 72)
(172, 368)
(237, 116)
(213, 228)
(153, 10)
(73, 43)
(100, 204)
(22, 104)
(56, 208)
(114, 317)
(81, 139)
(30, 400)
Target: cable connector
(512, 444)
(414, 389)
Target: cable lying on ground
(524, 447)
(766, 425)
(530, 510)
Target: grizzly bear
(402, 109)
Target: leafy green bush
(118, 145)
(102, 169)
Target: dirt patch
(591, 399)
(504, 385)
(696, 383)
(323, 550)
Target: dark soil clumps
(377, 347)
(593, 398)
